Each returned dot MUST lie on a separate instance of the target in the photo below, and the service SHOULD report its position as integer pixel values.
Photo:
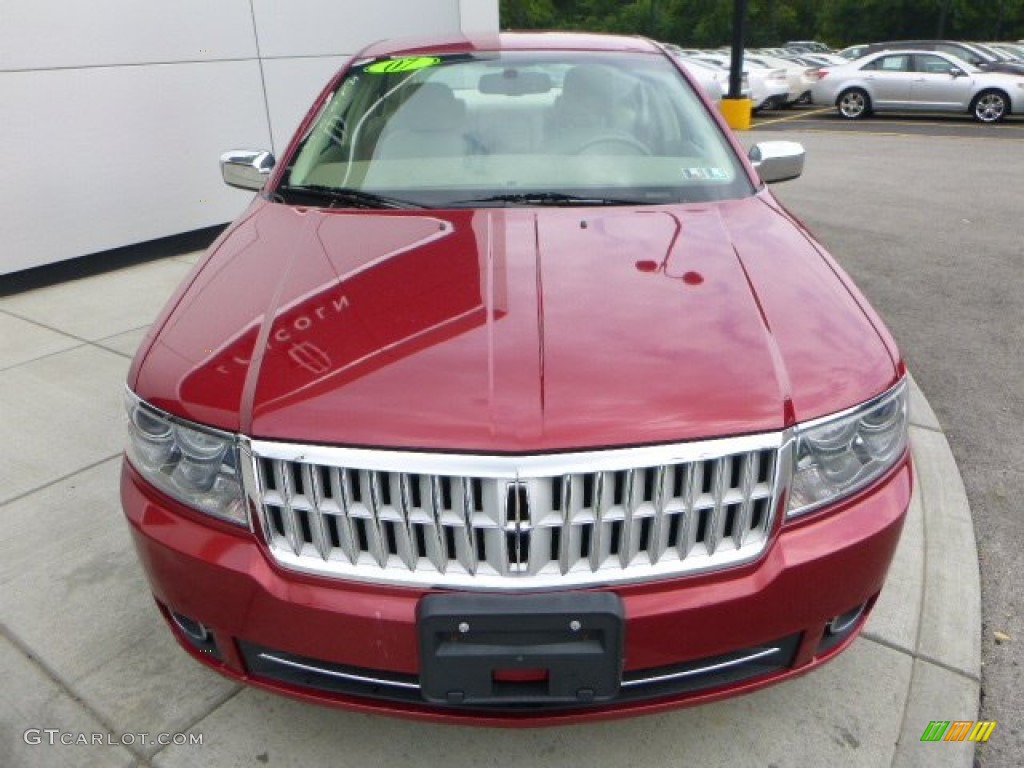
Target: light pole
(735, 108)
(739, 28)
(943, 14)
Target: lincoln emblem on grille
(517, 526)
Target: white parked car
(712, 78)
(918, 80)
(799, 77)
(819, 59)
(707, 77)
(769, 88)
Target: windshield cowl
(337, 197)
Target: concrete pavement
(84, 651)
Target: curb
(946, 677)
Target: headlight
(196, 465)
(841, 454)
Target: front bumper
(686, 640)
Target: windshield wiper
(547, 198)
(356, 198)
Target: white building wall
(479, 16)
(113, 113)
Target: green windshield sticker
(405, 64)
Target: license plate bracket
(485, 649)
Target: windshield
(517, 127)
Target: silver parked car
(853, 51)
(918, 80)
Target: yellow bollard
(737, 113)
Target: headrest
(433, 107)
(586, 86)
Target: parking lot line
(949, 123)
(810, 117)
(793, 117)
(901, 134)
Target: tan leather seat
(588, 109)
(430, 123)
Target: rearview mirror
(513, 82)
(777, 161)
(246, 169)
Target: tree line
(708, 23)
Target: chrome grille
(540, 521)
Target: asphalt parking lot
(928, 229)
(925, 213)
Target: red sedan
(515, 397)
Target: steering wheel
(613, 138)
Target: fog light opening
(196, 635)
(195, 630)
(842, 623)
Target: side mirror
(956, 72)
(777, 161)
(246, 169)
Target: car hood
(510, 330)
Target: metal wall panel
(479, 16)
(43, 34)
(291, 85)
(102, 157)
(328, 27)
(113, 113)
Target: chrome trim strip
(516, 466)
(496, 582)
(248, 465)
(625, 683)
(346, 528)
(701, 670)
(661, 522)
(896, 390)
(335, 673)
(782, 483)
(318, 529)
(193, 425)
(750, 470)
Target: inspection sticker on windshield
(404, 64)
(704, 174)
